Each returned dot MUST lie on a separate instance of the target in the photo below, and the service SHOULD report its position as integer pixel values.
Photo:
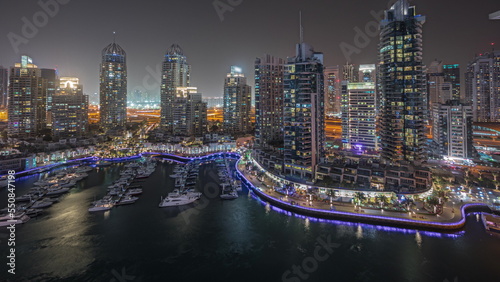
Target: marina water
(237, 240)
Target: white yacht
(43, 203)
(16, 220)
(192, 193)
(25, 198)
(101, 206)
(229, 196)
(172, 201)
(128, 199)
(57, 191)
(135, 191)
(4, 182)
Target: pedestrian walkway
(449, 219)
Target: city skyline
(226, 47)
(379, 143)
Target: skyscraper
(113, 88)
(4, 79)
(452, 75)
(452, 129)
(349, 73)
(237, 102)
(438, 90)
(189, 113)
(50, 75)
(367, 73)
(483, 87)
(304, 124)
(27, 100)
(214, 102)
(175, 73)
(359, 111)
(69, 112)
(332, 89)
(269, 101)
(402, 85)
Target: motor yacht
(172, 201)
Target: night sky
(72, 40)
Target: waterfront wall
(387, 220)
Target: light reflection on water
(240, 240)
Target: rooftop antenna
(301, 29)
(114, 36)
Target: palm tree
(467, 179)
(441, 194)
(332, 194)
(438, 182)
(495, 175)
(359, 197)
(433, 201)
(381, 199)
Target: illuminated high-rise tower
(113, 88)
(359, 111)
(27, 108)
(269, 101)
(4, 79)
(402, 85)
(69, 112)
(452, 75)
(175, 73)
(333, 81)
(304, 113)
(482, 87)
(237, 102)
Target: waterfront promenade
(451, 217)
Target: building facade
(269, 72)
(175, 73)
(4, 82)
(304, 116)
(402, 85)
(438, 89)
(214, 102)
(452, 129)
(189, 113)
(27, 107)
(69, 113)
(350, 73)
(52, 82)
(452, 75)
(483, 87)
(113, 88)
(237, 103)
(332, 90)
(359, 117)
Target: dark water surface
(238, 240)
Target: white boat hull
(174, 203)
